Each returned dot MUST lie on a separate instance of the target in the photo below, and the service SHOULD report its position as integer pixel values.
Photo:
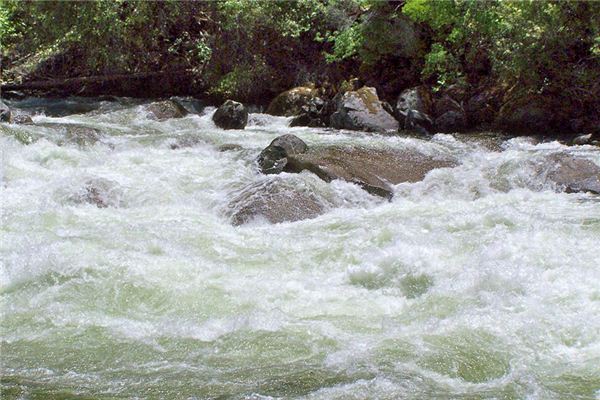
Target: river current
(480, 282)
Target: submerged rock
(100, 192)
(231, 115)
(296, 101)
(82, 135)
(362, 110)
(573, 174)
(162, 110)
(274, 201)
(375, 170)
(23, 119)
(229, 147)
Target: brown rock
(275, 201)
(375, 170)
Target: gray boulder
(583, 139)
(275, 201)
(5, 113)
(362, 110)
(417, 121)
(166, 109)
(231, 115)
(451, 121)
(273, 159)
(418, 99)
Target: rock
(82, 135)
(583, 139)
(527, 115)
(481, 109)
(23, 119)
(418, 122)
(375, 170)
(166, 109)
(296, 101)
(5, 113)
(362, 110)
(100, 192)
(573, 174)
(229, 147)
(451, 121)
(446, 104)
(231, 115)
(274, 201)
(273, 159)
(305, 119)
(418, 99)
(185, 141)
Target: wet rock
(5, 113)
(362, 110)
(274, 201)
(573, 174)
(451, 121)
(583, 139)
(23, 119)
(82, 135)
(296, 101)
(418, 122)
(375, 170)
(306, 119)
(231, 115)
(100, 192)
(273, 159)
(418, 99)
(185, 141)
(229, 147)
(166, 109)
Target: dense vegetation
(251, 50)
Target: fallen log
(134, 84)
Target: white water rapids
(477, 283)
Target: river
(480, 282)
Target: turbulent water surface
(479, 282)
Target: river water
(480, 282)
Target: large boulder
(5, 113)
(528, 114)
(274, 201)
(413, 109)
(375, 170)
(231, 115)
(451, 121)
(162, 110)
(296, 101)
(572, 174)
(481, 108)
(417, 98)
(362, 110)
(273, 159)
